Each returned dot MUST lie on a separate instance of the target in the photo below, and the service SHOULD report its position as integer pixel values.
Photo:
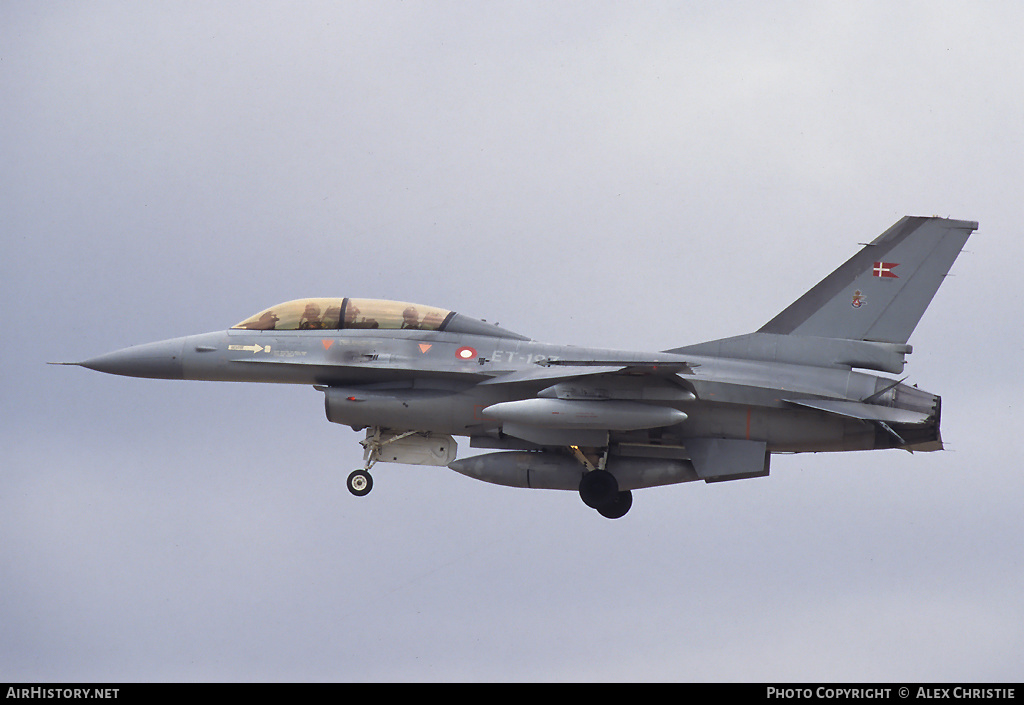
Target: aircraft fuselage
(440, 382)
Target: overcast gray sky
(638, 175)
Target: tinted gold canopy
(333, 314)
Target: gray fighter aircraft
(600, 422)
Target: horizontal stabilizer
(860, 410)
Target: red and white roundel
(465, 353)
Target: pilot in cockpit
(432, 320)
(310, 319)
(352, 313)
(410, 319)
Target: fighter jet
(602, 423)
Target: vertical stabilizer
(881, 292)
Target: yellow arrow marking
(249, 348)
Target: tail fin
(881, 292)
(862, 314)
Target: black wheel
(360, 483)
(618, 507)
(598, 488)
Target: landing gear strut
(359, 481)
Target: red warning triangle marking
(424, 347)
(327, 344)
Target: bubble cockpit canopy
(352, 314)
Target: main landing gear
(600, 490)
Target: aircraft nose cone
(161, 360)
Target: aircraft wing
(554, 370)
(548, 374)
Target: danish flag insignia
(884, 269)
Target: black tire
(617, 508)
(598, 488)
(360, 483)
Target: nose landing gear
(360, 482)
